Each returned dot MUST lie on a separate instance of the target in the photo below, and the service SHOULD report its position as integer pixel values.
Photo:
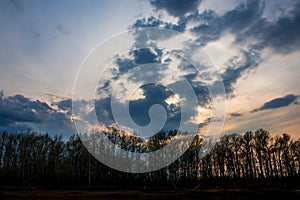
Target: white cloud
(174, 99)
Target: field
(101, 193)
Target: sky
(253, 46)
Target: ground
(146, 193)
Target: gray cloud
(18, 112)
(155, 22)
(284, 35)
(253, 34)
(234, 71)
(153, 94)
(199, 87)
(176, 7)
(278, 102)
(245, 21)
(103, 111)
(139, 109)
(65, 105)
(243, 16)
(210, 28)
(124, 64)
(145, 55)
(20, 109)
(252, 31)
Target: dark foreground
(146, 193)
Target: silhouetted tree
(29, 158)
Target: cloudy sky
(253, 45)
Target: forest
(30, 159)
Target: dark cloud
(153, 22)
(199, 87)
(18, 112)
(176, 7)
(234, 71)
(210, 28)
(253, 33)
(284, 34)
(239, 21)
(124, 65)
(278, 102)
(236, 114)
(139, 109)
(20, 109)
(246, 21)
(243, 16)
(65, 105)
(103, 112)
(139, 57)
(154, 94)
(145, 55)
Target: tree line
(32, 159)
